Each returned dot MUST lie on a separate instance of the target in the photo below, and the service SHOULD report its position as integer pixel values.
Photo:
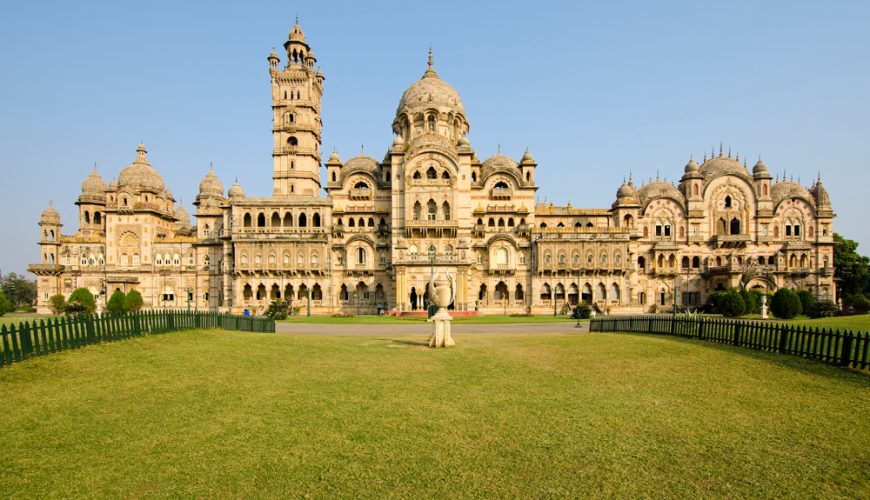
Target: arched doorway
(413, 298)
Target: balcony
(500, 194)
(45, 269)
(730, 240)
(360, 194)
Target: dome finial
(362, 150)
(499, 148)
(430, 56)
(721, 154)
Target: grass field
(231, 414)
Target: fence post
(846, 351)
(737, 328)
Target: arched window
(431, 209)
(292, 141)
(500, 222)
(431, 123)
(276, 219)
(261, 220)
(361, 255)
(445, 210)
(695, 189)
(614, 292)
(696, 262)
(288, 219)
(684, 263)
(303, 220)
(735, 226)
(247, 220)
(343, 295)
(371, 222)
(431, 174)
(543, 225)
(764, 189)
(87, 217)
(727, 202)
(511, 222)
(491, 222)
(645, 232)
(351, 222)
(501, 256)
(316, 292)
(314, 261)
(315, 219)
(418, 210)
(417, 175)
(641, 262)
(473, 176)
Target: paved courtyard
(425, 328)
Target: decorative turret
(333, 167)
(236, 192)
(298, 51)
(49, 225)
(92, 203)
(823, 200)
(527, 167)
(211, 191)
(273, 61)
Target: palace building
(371, 236)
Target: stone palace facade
(372, 239)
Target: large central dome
(430, 92)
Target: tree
(728, 303)
(851, 269)
(750, 301)
(58, 303)
(116, 302)
(583, 311)
(133, 301)
(20, 291)
(5, 305)
(808, 300)
(278, 309)
(81, 301)
(785, 304)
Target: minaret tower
(296, 126)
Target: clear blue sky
(595, 90)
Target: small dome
(183, 218)
(50, 216)
(113, 186)
(497, 162)
(626, 190)
(334, 159)
(94, 184)
(691, 167)
(361, 162)
(784, 190)
(821, 195)
(210, 185)
(296, 34)
(527, 158)
(236, 191)
(659, 189)
(463, 141)
(398, 141)
(140, 174)
(759, 168)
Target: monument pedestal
(441, 336)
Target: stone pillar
(441, 336)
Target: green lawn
(391, 320)
(232, 414)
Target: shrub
(5, 305)
(822, 309)
(83, 297)
(116, 302)
(730, 304)
(133, 301)
(296, 310)
(785, 304)
(750, 302)
(278, 309)
(58, 303)
(75, 309)
(583, 311)
(857, 303)
(807, 299)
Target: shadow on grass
(407, 342)
(852, 376)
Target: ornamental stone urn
(442, 292)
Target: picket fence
(44, 336)
(841, 348)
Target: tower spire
(430, 56)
